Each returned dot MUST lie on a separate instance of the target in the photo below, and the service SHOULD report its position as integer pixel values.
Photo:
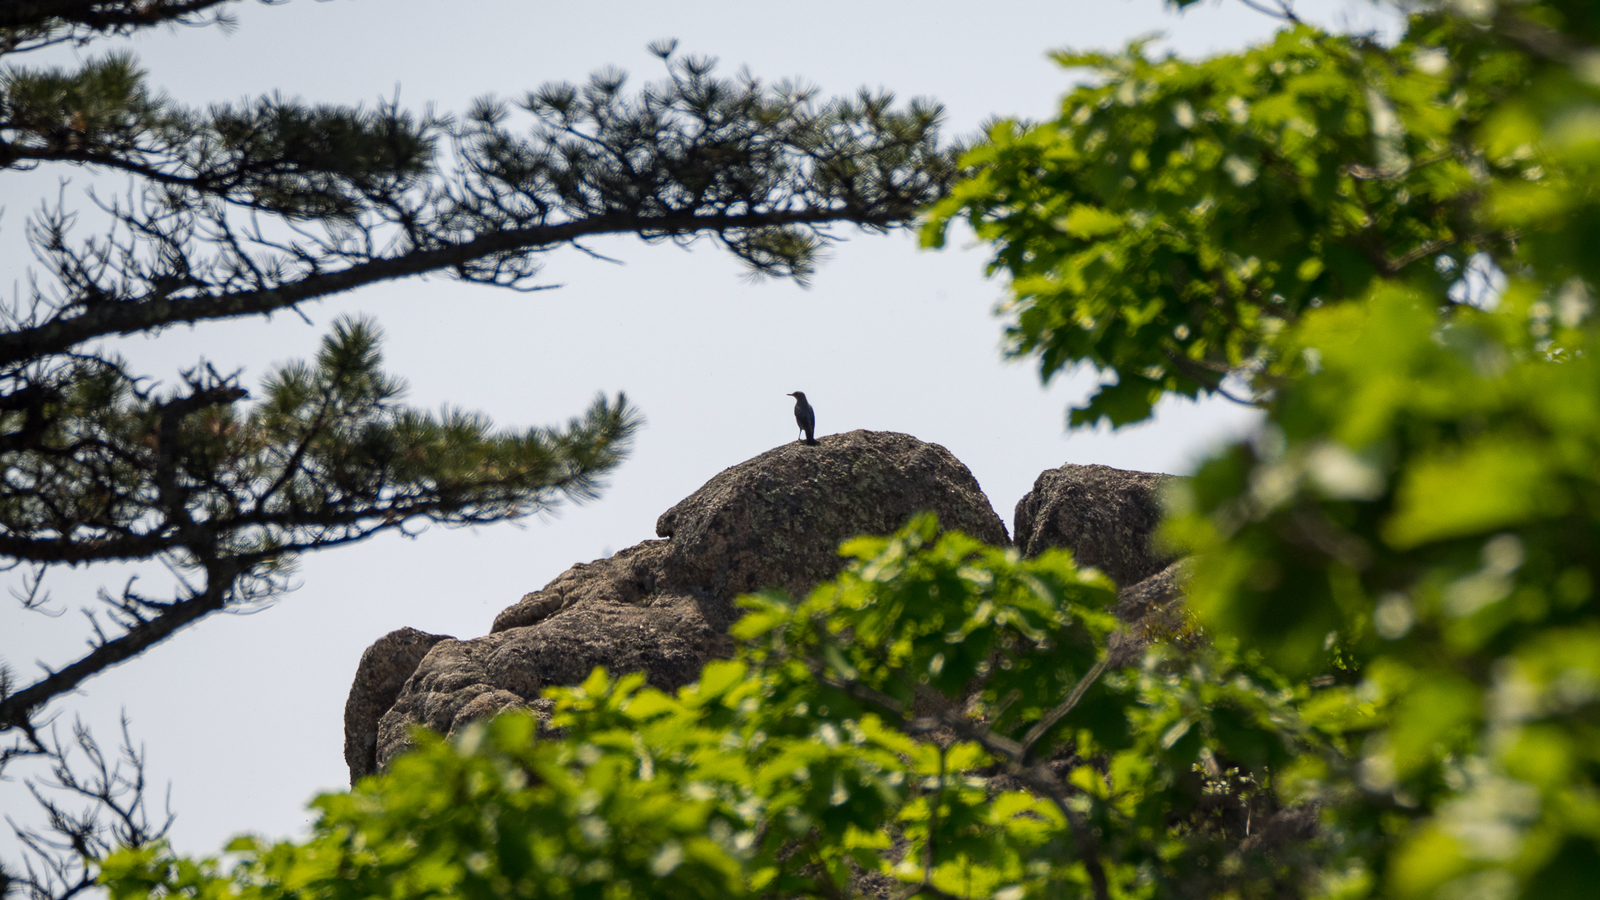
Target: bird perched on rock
(805, 416)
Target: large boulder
(777, 520)
(663, 607)
(1105, 516)
(384, 669)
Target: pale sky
(242, 714)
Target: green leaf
(1510, 485)
(1082, 221)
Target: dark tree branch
(1281, 9)
(160, 309)
(33, 23)
(17, 708)
(99, 14)
(1210, 377)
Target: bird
(805, 416)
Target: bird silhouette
(805, 416)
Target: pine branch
(78, 20)
(363, 199)
(162, 308)
(59, 861)
(328, 457)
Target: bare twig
(1282, 9)
(1055, 715)
(59, 859)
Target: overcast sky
(243, 714)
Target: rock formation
(1152, 611)
(1105, 516)
(383, 670)
(663, 607)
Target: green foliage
(1392, 245)
(935, 718)
(1178, 215)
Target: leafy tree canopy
(1389, 248)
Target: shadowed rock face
(1153, 610)
(663, 607)
(383, 670)
(1105, 516)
